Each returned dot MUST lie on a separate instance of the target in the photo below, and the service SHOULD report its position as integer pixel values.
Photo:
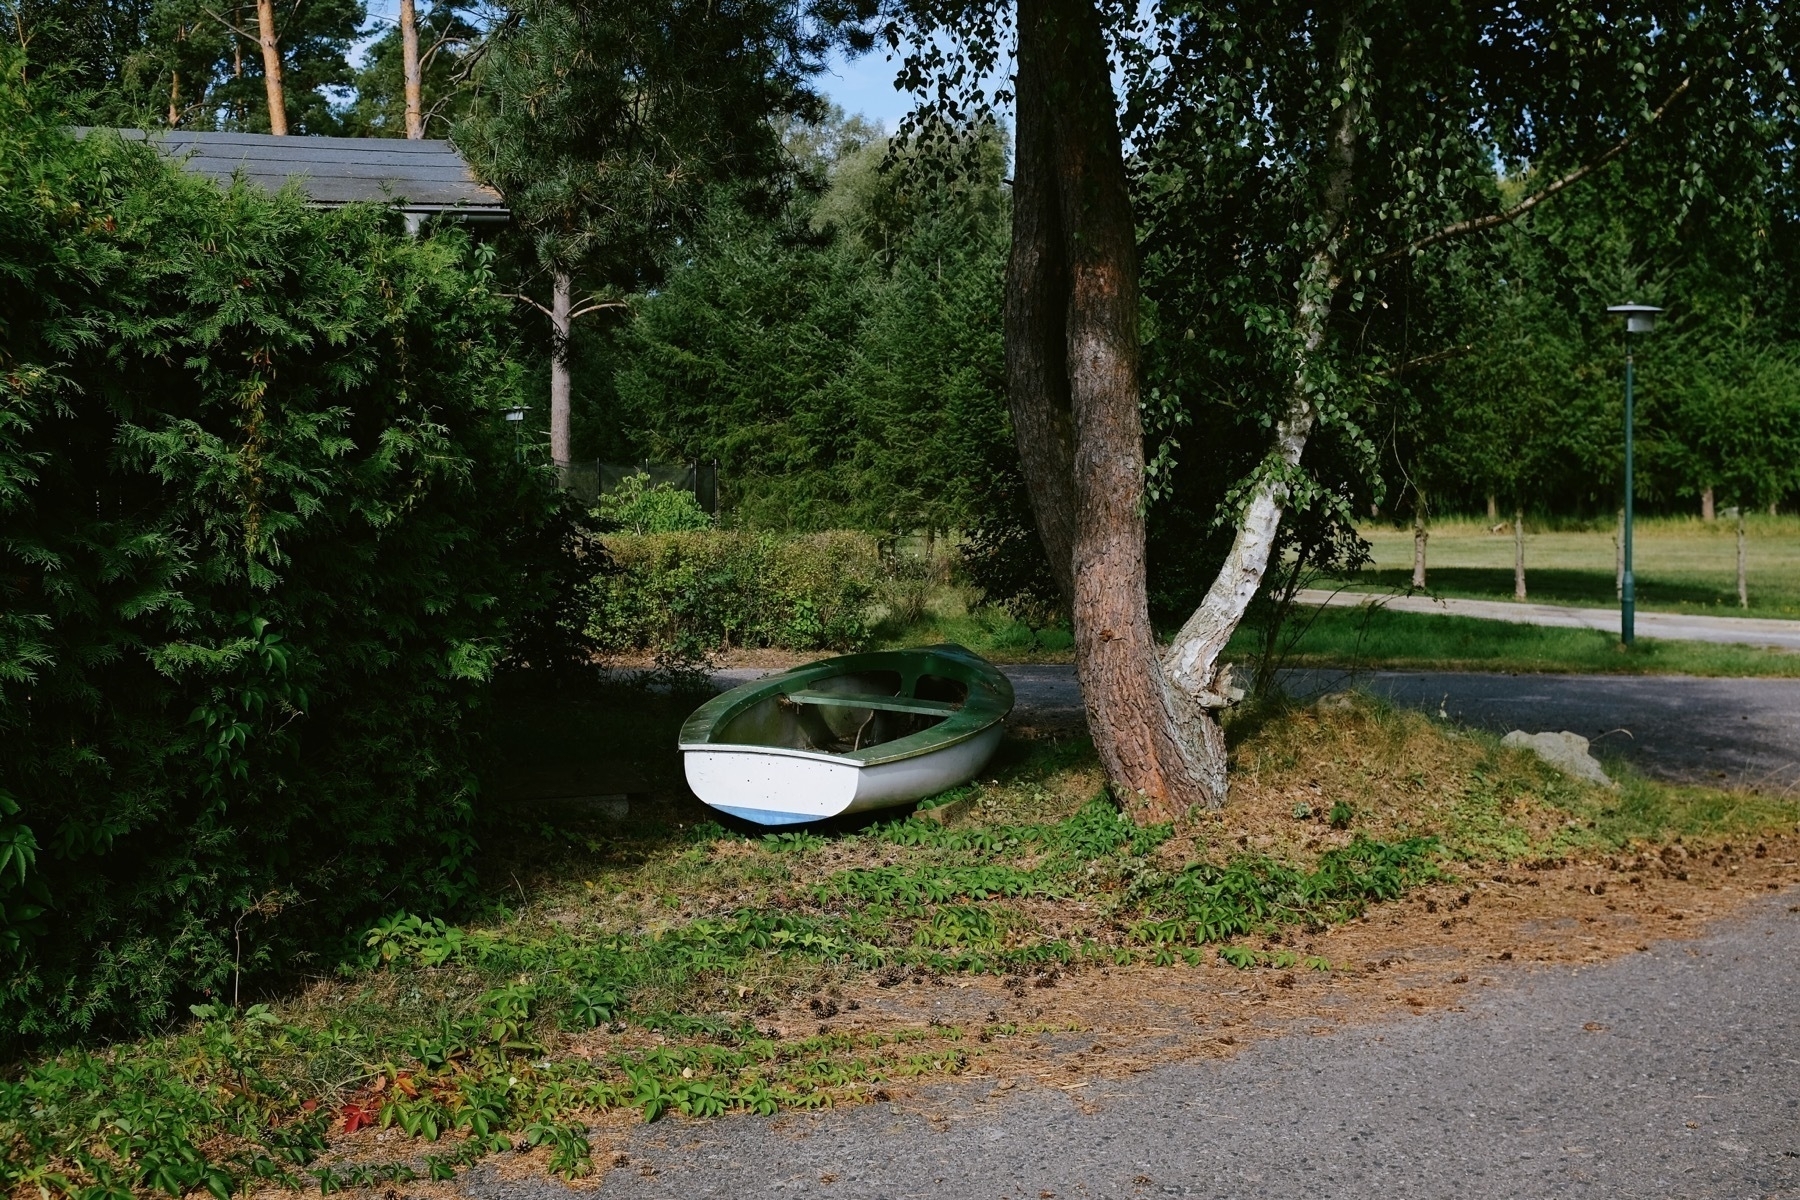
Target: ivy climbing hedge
(263, 541)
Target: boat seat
(903, 704)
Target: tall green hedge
(263, 538)
(688, 593)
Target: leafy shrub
(708, 590)
(638, 507)
(263, 539)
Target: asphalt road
(1671, 1073)
(1734, 732)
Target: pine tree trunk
(1707, 512)
(1493, 509)
(1072, 338)
(559, 368)
(1518, 554)
(1743, 585)
(1036, 302)
(271, 56)
(409, 60)
(1420, 536)
(174, 98)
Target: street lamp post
(1639, 318)
(515, 416)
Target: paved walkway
(1741, 631)
(1670, 1073)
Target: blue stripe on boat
(765, 816)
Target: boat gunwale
(989, 701)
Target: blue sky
(866, 85)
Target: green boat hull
(846, 735)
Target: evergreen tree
(605, 125)
(189, 64)
(450, 36)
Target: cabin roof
(424, 177)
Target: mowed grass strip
(680, 967)
(1376, 638)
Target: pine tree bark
(1518, 524)
(1707, 512)
(1036, 302)
(560, 391)
(271, 56)
(1420, 537)
(1493, 509)
(409, 65)
(1072, 361)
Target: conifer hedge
(263, 540)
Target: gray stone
(1568, 752)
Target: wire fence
(588, 480)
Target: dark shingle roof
(424, 177)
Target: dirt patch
(1426, 953)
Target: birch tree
(1293, 165)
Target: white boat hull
(773, 785)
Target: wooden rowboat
(847, 734)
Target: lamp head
(1639, 318)
(516, 413)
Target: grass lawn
(1377, 638)
(953, 613)
(1684, 565)
(629, 964)
(1681, 564)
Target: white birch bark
(559, 368)
(1420, 536)
(1742, 582)
(1192, 661)
(1518, 554)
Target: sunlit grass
(1681, 564)
(1378, 638)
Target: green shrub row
(263, 540)
(692, 592)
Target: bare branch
(596, 305)
(528, 300)
(1508, 216)
(227, 24)
(478, 50)
(1425, 360)
(445, 40)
